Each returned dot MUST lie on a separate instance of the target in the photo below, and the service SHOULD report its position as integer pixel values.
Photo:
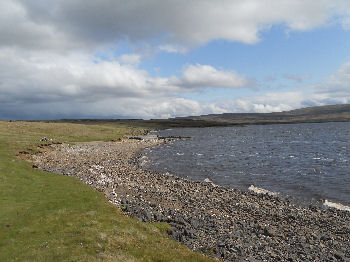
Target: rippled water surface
(310, 161)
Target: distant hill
(318, 114)
(332, 113)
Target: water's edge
(146, 163)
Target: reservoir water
(307, 161)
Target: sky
(166, 58)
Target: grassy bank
(49, 217)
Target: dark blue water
(310, 161)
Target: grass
(49, 217)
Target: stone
(237, 225)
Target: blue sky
(318, 52)
(167, 58)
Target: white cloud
(47, 66)
(203, 76)
(17, 30)
(153, 107)
(172, 49)
(340, 80)
(77, 84)
(130, 59)
(336, 88)
(36, 74)
(46, 85)
(91, 23)
(270, 102)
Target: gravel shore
(229, 224)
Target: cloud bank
(181, 22)
(49, 67)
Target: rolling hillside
(333, 113)
(319, 114)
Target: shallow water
(308, 161)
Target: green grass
(49, 217)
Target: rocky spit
(229, 224)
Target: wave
(336, 205)
(260, 190)
(143, 160)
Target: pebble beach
(224, 223)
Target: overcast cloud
(185, 22)
(48, 66)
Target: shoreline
(220, 222)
